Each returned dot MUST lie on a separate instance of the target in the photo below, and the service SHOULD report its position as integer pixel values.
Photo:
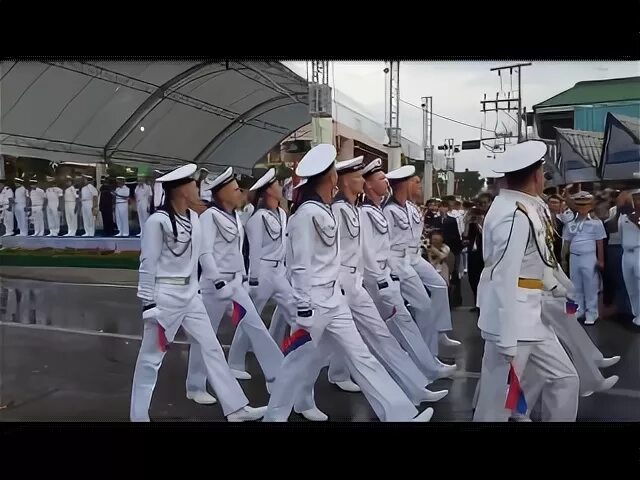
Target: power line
(442, 116)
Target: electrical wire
(445, 118)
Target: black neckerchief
(368, 201)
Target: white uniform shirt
(205, 190)
(143, 195)
(266, 235)
(348, 219)
(566, 216)
(37, 196)
(245, 213)
(417, 227)
(629, 233)
(21, 195)
(375, 242)
(70, 194)
(583, 234)
(88, 192)
(5, 196)
(158, 195)
(122, 194)
(53, 195)
(401, 234)
(614, 237)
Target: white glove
(150, 311)
(508, 353)
(304, 318)
(223, 292)
(559, 291)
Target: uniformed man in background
(89, 199)
(143, 196)
(7, 206)
(20, 210)
(71, 208)
(53, 194)
(121, 195)
(37, 196)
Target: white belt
(413, 249)
(348, 269)
(173, 280)
(88, 201)
(274, 263)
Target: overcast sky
(457, 87)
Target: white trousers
(7, 219)
(71, 216)
(197, 325)
(586, 280)
(340, 336)
(21, 219)
(267, 352)
(53, 219)
(37, 212)
(122, 219)
(88, 220)
(440, 310)
(631, 275)
(279, 324)
(546, 359)
(143, 213)
(390, 305)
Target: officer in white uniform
(438, 289)
(89, 198)
(143, 195)
(402, 242)
(629, 228)
(205, 185)
(266, 232)
(71, 208)
(583, 238)
(7, 206)
(53, 194)
(382, 285)
(37, 197)
(222, 283)
(323, 315)
(121, 194)
(370, 325)
(516, 253)
(20, 210)
(168, 287)
(158, 191)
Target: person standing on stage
(517, 250)
(143, 195)
(20, 210)
(204, 186)
(121, 195)
(53, 194)
(168, 287)
(37, 197)
(106, 202)
(71, 208)
(158, 192)
(222, 283)
(325, 323)
(629, 227)
(584, 240)
(7, 205)
(89, 198)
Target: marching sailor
(402, 244)
(37, 197)
(583, 238)
(267, 278)
(629, 227)
(71, 208)
(517, 248)
(437, 286)
(143, 195)
(354, 241)
(53, 194)
(89, 198)
(384, 286)
(121, 194)
(20, 210)
(7, 206)
(323, 317)
(168, 287)
(223, 276)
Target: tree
(468, 183)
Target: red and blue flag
(294, 341)
(238, 313)
(515, 396)
(571, 307)
(163, 343)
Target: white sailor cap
(180, 175)
(520, 156)
(120, 178)
(50, 179)
(403, 173)
(160, 172)
(317, 160)
(88, 177)
(265, 180)
(582, 198)
(18, 179)
(221, 180)
(34, 181)
(372, 167)
(204, 170)
(348, 166)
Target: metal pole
(519, 105)
(427, 131)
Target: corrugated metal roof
(596, 91)
(633, 124)
(587, 144)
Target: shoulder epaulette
(520, 206)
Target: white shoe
(445, 341)
(247, 414)
(590, 321)
(586, 394)
(348, 386)
(86, 235)
(8, 235)
(608, 362)
(203, 398)
(518, 417)
(430, 396)
(447, 371)
(315, 415)
(636, 321)
(138, 235)
(240, 374)
(608, 383)
(424, 416)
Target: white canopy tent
(159, 113)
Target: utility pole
(451, 165)
(320, 107)
(427, 144)
(392, 113)
(513, 102)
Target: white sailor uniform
(122, 210)
(70, 212)
(87, 193)
(53, 214)
(37, 196)
(21, 195)
(6, 203)
(630, 241)
(510, 297)
(222, 286)
(168, 278)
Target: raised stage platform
(125, 244)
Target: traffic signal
(470, 144)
